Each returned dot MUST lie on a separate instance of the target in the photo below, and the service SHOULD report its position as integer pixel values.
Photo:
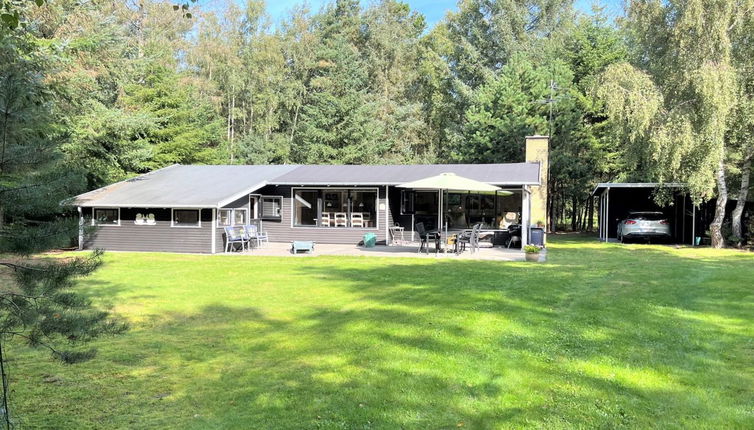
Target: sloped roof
(183, 186)
(214, 186)
(497, 174)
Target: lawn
(601, 336)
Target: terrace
(409, 249)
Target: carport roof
(605, 185)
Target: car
(644, 225)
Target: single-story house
(185, 208)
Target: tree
(337, 121)
(40, 304)
(682, 52)
(186, 129)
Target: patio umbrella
(451, 182)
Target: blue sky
(433, 10)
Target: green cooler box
(370, 240)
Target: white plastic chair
(341, 220)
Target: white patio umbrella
(451, 182)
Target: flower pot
(530, 256)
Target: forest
(93, 92)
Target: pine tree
(39, 303)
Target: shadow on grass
(596, 338)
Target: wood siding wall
(160, 237)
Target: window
(106, 217)
(407, 202)
(186, 218)
(229, 217)
(239, 216)
(327, 207)
(271, 207)
(224, 217)
(425, 202)
(363, 209)
(305, 207)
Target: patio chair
(425, 237)
(357, 219)
(254, 235)
(234, 236)
(341, 220)
(325, 221)
(395, 230)
(515, 235)
(469, 237)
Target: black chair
(425, 237)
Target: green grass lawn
(601, 336)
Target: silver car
(644, 225)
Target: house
(184, 208)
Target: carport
(616, 200)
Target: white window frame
(230, 218)
(261, 212)
(245, 216)
(94, 217)
(376, 208)
(172, 217)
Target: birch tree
(683, 61)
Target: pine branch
(16, 266)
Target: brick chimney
(538, 151)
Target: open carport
(616, 200)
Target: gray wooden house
(184, 208)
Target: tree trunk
(574, 213)
(590, 215)
(716, 226)
(743, 194)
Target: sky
(433, 10)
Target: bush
(532, 249)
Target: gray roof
(215, 186)
(496, 174)
(184, 186)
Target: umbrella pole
(445, 207)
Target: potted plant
(532, 252)
(540, 224)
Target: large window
(186, 218)
(272, 207)
(104, 216)
(335, 208)
(305, 203)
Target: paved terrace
(277, 249)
